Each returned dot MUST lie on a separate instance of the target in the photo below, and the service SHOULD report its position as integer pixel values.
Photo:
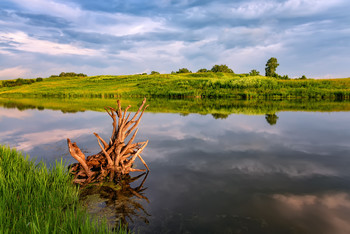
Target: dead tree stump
(117, 157)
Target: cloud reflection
(331, 211)
(14, 114)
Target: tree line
(270, 70)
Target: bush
(221, 68)
(254, 73)
(71, 74)
(154, 73)
(183, 70)
(203, 70)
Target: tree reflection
(120, 203)
(271, 118)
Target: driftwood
(116, 158)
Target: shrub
(221, 68)
(183, 70)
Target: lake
(284, 172)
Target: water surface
(287, 173)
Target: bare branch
(103, 142)
(78, 155)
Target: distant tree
(145, 73)
(203, 70)
(221, 68)
(154, 73)
(70, 74)
(285, 77)
(39, 79)
(271, 65)
(254, 73)
(271, 118)
(183, 70)
(303, 77)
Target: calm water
(234, 175)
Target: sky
(39, 38)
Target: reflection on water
(230, 174)
(119, 203)
(271, 118)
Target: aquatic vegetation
(37, 199)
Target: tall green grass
(35, 199)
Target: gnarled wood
(116, 158)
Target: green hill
(194, 85)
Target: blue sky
(112, 37)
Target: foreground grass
(34, 199)
(199, 85)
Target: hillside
(195, 85)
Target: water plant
(38, 199)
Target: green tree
(183, 70)
(221, 68)
(202, 70)
(154, 72)
(254, 73)
(271, 65)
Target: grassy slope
(185, 85)
(34, 199)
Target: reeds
(35, 199)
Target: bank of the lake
(199, 85)
(218, 107)
(35, 199)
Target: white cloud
(13, 72)
(23, 42)
(116, 24)
(49, 7)
(290, 8)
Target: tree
(154, 72)
(221, 68)
(271, 65)
(203, 70)
(303, 77)
(254, 73)
(183, 70)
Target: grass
(35, 199)
(200, 85)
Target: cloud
(13, 72)
(22, 42)
(308, 37)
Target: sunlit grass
(35, 199)
(218, 85)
